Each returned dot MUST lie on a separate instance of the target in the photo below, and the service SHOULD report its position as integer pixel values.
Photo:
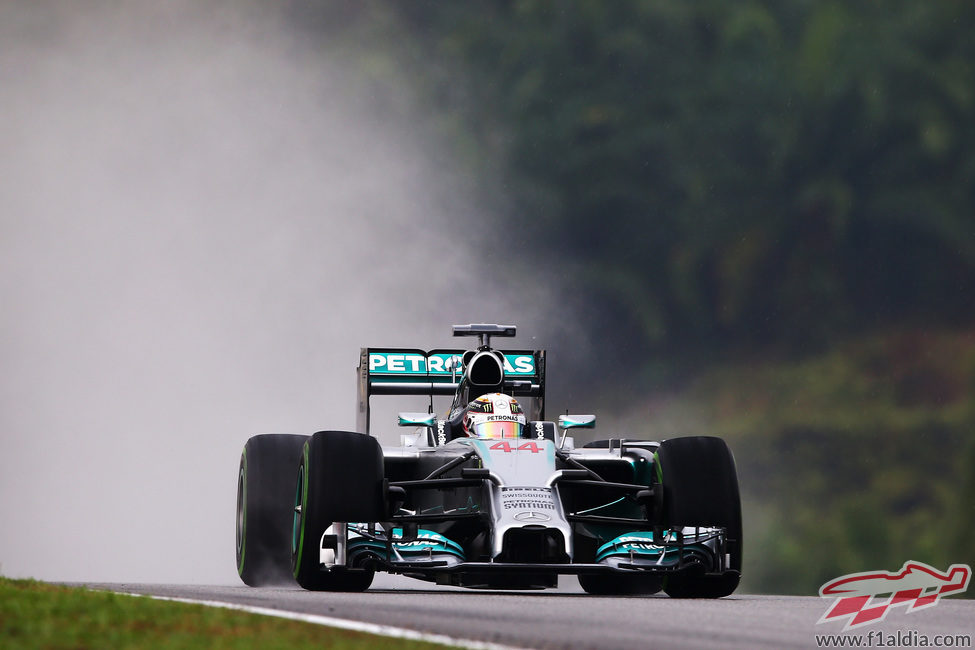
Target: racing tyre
(265, 491)
(340, 479)
(700, 488)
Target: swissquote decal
(865, 598)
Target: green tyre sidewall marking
(304, 517)
(242, 526)
(660, 482)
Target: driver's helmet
(494, 415)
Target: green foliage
(739, 173)
(857, 459)
(739, 180)
(40, 615)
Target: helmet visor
(495, 429)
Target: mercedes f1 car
(492, 495)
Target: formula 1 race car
(491, 496)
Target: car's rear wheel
(340, 479)
(700, 488)
(265, 483)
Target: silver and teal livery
(371, 542)
(623, 514)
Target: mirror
(417, 419)
(577, 421)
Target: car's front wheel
(700, 488)
(339, 480)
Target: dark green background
(769, 203)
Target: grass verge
(41, 615)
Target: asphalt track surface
(569, 618)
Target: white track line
(343, 623)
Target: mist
(204, 216)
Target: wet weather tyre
(339, 479)
(700, 488)
(265, 496)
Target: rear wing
(408, 371)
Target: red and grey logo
(865, 598)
